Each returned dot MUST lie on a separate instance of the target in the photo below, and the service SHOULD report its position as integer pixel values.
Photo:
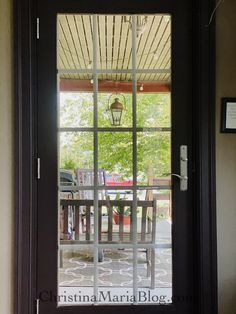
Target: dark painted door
(115, 138)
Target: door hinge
(37, 32)
(38, 168)
(37, 306)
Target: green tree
(115, 149)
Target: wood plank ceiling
(75, 47)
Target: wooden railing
(77, 225)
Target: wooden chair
(162, 195)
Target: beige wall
(6, 208)
(226, 158)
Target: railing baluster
(110, 222)
(77, 223)
(131, 223)
(121, 223)
(99, 223)
(88, 224)
(65, 220)
(154, 217)
(144, 224)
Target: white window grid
(134, 245)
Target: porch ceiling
(75, 44)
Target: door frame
(25, 157)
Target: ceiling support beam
(73, 85)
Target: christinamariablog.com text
(104, 297)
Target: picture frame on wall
(228, 115)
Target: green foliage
(77, 148)
(69, 164)
(115, 152)
(117, 209)
(115, 149)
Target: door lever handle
(183, 176)
(183, 168)
(178, 176)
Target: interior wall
(6, 159)
(226, 158)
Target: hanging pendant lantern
(116, 109)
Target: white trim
(95, 159)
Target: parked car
(67, 178)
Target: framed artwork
(228, 115)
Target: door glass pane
(153, 106)
(76, 102)
(161, 267)
(154, 45)
(153, 157)
(163, 211)
(114, 152)
(116, 272)
(113, 88)
(76, 151)
(74, 43)
(115, 155)
(115, 220)
(71, 110)
(157, 275)
(114, 48)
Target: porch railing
(77, 221)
